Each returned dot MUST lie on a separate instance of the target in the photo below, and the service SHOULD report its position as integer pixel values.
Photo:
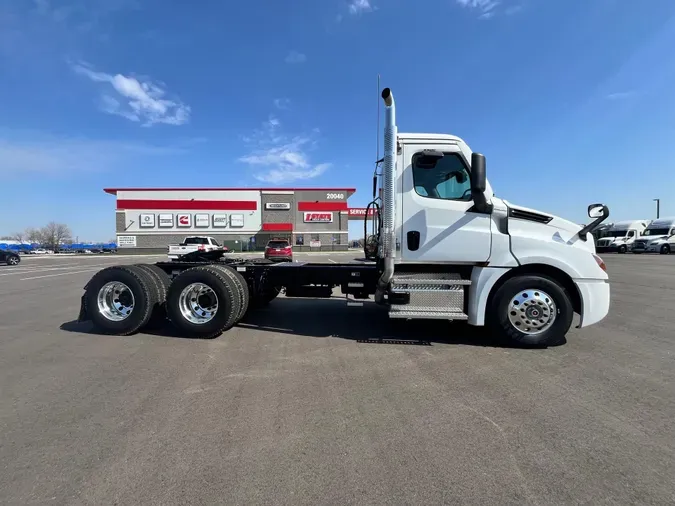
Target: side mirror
(595, 210)
(428, 158)
(478, 178)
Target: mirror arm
(594, 224)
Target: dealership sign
(202, 220)
(220, 220)
(184, 220)
(165, 220)
(318, 218)
(236, 220)
(147, 220)
(126, 241)
(277, 206)
(361, 211)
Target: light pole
(658, 207)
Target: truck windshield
(656, 231)
(616, 233)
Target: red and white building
(149, 219)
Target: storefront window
(299, 240)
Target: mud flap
(83, 316)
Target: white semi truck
(659, 237)
(621, 236)
(447, 248)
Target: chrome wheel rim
(13, 261)
(532, 311)
(198, 303)
(115, 301)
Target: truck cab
(621, 236)
(658, 237)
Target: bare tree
(54, 234)
(33, 235)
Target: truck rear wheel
(242, 285)
(532, 311)
(160, 281)
(203, 302)
(120, 299)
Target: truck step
(427, 282)
(419, 313)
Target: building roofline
(113, 191)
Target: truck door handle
(413, 238)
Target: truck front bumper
(595, 296)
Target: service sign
(361, 211)
(126, 241)
(165, 220)
(202, 220)
(147, 220)
(237, 220)
(277, 206)
(184, 220)
(313, 217)
(219, 220)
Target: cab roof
(428, 137)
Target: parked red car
(279, 250)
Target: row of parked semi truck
(637, 236)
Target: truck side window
(448, 180)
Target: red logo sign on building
(318, 218)
(184, 220)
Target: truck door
(437, 224)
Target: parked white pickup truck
(194, 243)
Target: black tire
(161, 282)
(499, 311)
(665, 249)
(242, 289)
(622, 249)
(229, 302)
(13, 260)
(141, 286)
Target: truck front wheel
(532, 311)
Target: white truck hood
(556, 221)
(561, 228)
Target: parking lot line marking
(332, 261)
(33, 270)
(59, 274)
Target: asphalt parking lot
(317, 403)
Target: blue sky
(572, 102)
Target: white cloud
(140, 101)
(295, 57)
(359, 6)
(282, 103)
(620, 95)
(485, 7)
(29, 153)
(283, 159)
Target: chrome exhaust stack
(388, 196)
